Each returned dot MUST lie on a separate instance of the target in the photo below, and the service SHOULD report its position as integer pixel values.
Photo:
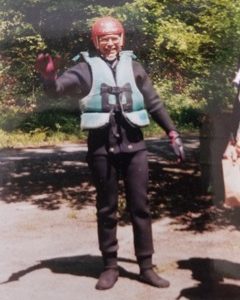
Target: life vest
(108, 93)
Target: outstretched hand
(177, 145)
(47, 66)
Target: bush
(184, 109)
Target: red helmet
(106, 25)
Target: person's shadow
(84, 265)
(211, 273)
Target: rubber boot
(148, 275)
(107, 279)
(109, 276)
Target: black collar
(111, 63)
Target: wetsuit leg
(106, 182)
(136, 184)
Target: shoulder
(138, 70)
(81, 68)
(137, 66)
(80, 64)
(78, 74)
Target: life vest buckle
(114, 90)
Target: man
(236, 114)
(115, 94)
(233, 148)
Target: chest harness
(109, 93)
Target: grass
(49, 128)
(45, 137)
(18, 138)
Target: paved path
(48, 238)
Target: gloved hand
(177, 145)
(47, 66)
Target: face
(109, 45)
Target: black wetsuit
(118, 150)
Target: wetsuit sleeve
(74, 81)
(153, 103)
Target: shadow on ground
(84, 265)
(48, 177)
(210, 273)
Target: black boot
(109, 276)
(149, 276)
(107, 279)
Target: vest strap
(114, 90)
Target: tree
(189, 47)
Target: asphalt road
(48, 237)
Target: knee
(107, 216)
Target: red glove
(47, 66)
(177, 145)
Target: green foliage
(190, 48)
(38, 137)
(53, 120)
(19, 45)
(19, 128)
(183, 108)
(185, 42)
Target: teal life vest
(108, 93)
